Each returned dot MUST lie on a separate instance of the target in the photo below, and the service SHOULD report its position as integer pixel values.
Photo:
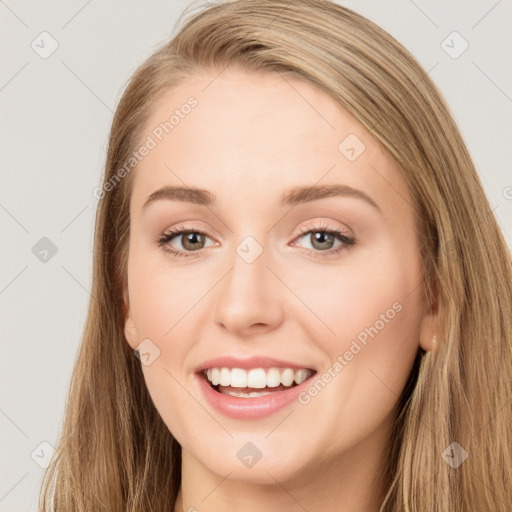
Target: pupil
(323, 238)
(191, 239)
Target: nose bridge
(249, 292)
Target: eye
(323, 238)
(191, 240)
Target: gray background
(55, 118)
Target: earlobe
(428, 332)
(130, 332)
(429, 344)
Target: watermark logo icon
(147, 352)
(454, 455)
(44, 45)
(351, 147)
(44, 250)
(249, 455)
(42, 454)
(454, 45)
(249, 249)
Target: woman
(301, 299)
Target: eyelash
(347, 241)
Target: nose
(249, 298)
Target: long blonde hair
(115, 452)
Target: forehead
(259, 132)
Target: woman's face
(261, 281)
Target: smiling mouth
(256, 382)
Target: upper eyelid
(177, 232)
(321, 226)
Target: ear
(130, 332)
(429, 329)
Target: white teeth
(301, 376)
(225, 377)
(215, 379)
(238, 378)
(241, 394)
(257, 378)
(273, 378)
(287, 377)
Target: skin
(251, 137)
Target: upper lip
(251, 362)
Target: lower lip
(249, 408)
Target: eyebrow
(293, 197)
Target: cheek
(160, 296)
(356, 297)
(371, 313)
(162, 303)
(374, 313)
